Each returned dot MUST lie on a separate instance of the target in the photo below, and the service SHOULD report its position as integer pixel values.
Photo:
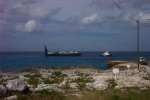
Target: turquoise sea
(16, 61)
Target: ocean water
(16, 61)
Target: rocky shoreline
(74, 79)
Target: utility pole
(138, 45)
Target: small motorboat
(106, 53)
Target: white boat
(106, 53)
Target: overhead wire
(123, 10)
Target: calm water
(16, 61)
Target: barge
(64, 53)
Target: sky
(74, 25)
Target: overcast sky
(73, 25)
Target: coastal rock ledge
(75, 79)
(115, 62)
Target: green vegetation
(112, 83)
(81, 83)
(33, 76)
(146, 78)
(82, 80)
(56, 78)
(66, 86)
(132, 93)
(2, 81)
(57, 73)
(33, 79)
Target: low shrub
(66, 86)
(33, 75)
(54, 80)
(112, 83)
(82, 80)
(146, 78)
(33, 81)
(57, 73)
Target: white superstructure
(106, 53)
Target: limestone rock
(14, 97)
(89, 86)
(100, 85)
(143, 88)
(2, 88)
(73, 85)
(16, 84)
(45, 75)
(63, 83)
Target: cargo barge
(64, 53)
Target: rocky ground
(75, 79)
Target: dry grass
(113, 95)
(109, 94)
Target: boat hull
(79, 54)
(105, 55)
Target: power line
(137, 32)
(123, 10)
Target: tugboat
(64, 53)
(106, 53)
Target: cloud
(9, 4)
(28, 27)
(43, 12)
(105, 4)
(26, 10)
(132, 7)
(145, 16)
(139, 3)
(110, 4)
(92, 19)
